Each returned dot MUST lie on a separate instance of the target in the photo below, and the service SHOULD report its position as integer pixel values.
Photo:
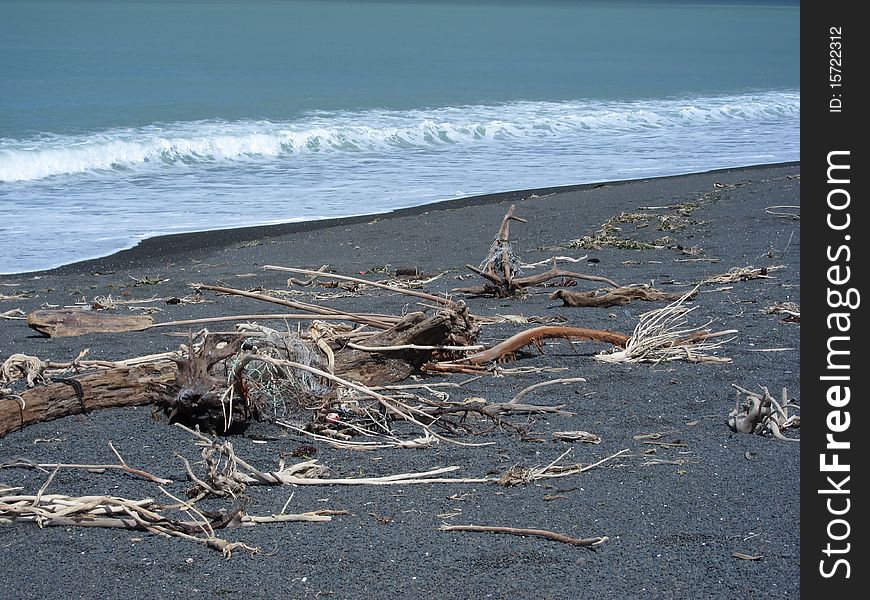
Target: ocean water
(120, 120)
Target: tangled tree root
(501, 268)
(762, 414)
(663, 335)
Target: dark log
(130, 386)
(194, 396)
(445, 328)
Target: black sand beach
(674, 518)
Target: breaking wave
(187, 145)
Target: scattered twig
(662, 461)
(224, 477)
(791, 310)
(789, 211)
(742, 274)
(743, 556)
(379, 321)
(139, 515)
(403, 347)
(408, 292)
(311, 279)
(548, 261)
(770, 349)
(267, 317)
(558, 537)
(520, 475)
(96, 468)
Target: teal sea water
(122, 119)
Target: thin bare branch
(562, 381)
(558, 537)
(407, 292)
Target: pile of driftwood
(325, 380)
(226, 475)
(338, 380)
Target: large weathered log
(66, 322)
(131, 386)
(193, 389)
(372, 368)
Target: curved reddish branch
(536, 335)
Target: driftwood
(67, 322)
(577, 436)
(502, 288)
(501, 268)
(558, 537)
(562, 381)
(415, 329)
(196, 393)
(537, 335)
(92, 468)
(664, 335)
(742, 274)
(791, 310)
(224, 381)
(227, 474)
(201, 388)
(616, 297)
(47, 510)
(407, 292)
(130, 386)
(761, 413)
(377, 321)
(660, 335)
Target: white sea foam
(186, 145)
(76, 197)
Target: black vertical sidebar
(835, 433)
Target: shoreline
(213, 239)
(678, 509)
